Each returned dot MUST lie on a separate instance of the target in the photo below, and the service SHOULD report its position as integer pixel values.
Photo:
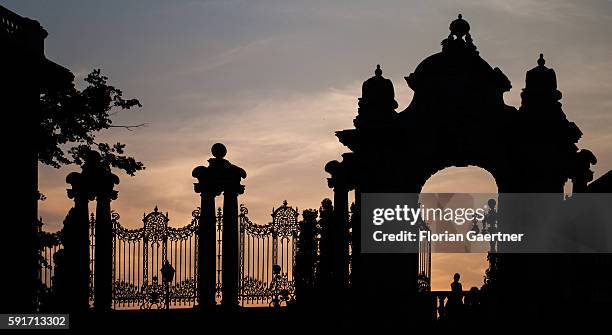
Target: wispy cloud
(230, 56)
(544, 10)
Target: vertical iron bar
(138, 266)
(257, 261)
(129, 261)
(268, 268)
(247, 259)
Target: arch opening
(471, 266)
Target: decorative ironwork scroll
(267, 258)
(219, 248)
(139, 255)
(92, 247)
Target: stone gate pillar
(103, 271)
(339, 229)
(76, 244)
(305, 260)
(355, 274)
(103, 182)
(232, 175)
(219, 176)
(208, 187)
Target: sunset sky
(274, 80)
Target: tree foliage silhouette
(71, 118)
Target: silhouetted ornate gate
(267, 258)
(155, 266)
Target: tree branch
(129, 127)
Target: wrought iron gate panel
(50, 244)
(183, 290)
(139, 258)
(127, 293)
(424, 261)
(267, 258)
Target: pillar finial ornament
(218, 150)
(541, 60)
(378, 72)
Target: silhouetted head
(491, 203)
(218, 150)
(456, 277)
(59, 256)
(326, 204)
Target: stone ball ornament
(218, 150)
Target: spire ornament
(459, 39)
(459, 27)
(377, 102)
(378, 72)
(541, 60)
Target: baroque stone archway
(457, 117)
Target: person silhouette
(471, 304)
(454, 304)
(60, 283)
